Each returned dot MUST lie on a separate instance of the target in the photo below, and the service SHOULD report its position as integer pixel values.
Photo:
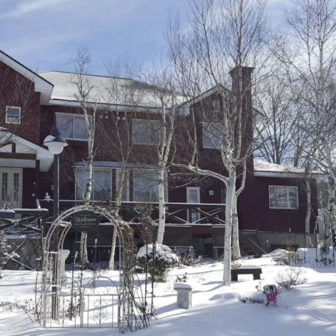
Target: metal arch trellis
(60, 221)
(128, 316)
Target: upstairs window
(212, 133)
(283, 197)
(145, 132)
(216, 105)
(72, 126)
(13, 115)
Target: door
(11, 187)
(193, 196)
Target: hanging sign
(84, 221)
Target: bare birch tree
(117, 137)
(165, 94)
(309, 54)
(223, 35)
(89, 108)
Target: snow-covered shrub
(158, 265)
(4, 250)
(290, 277)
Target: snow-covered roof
(41, 85)
(267, 169)
(104, 90)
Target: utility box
(184, 295)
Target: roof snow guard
(40, 84)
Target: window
(145, 185)
(145, 132)
(216, 105)
(101, 187)
(72, 126)
(4, 190)
(212, 134)
(16, 186)
(13, 115)
(283, 197)
(10, 187)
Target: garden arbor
(85, 218)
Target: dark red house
(272, 207)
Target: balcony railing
(176, 212)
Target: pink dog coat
(271, 292)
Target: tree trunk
(328, 222)
(113, 248)
(118, 201)
(87, 197)
(230, 191)
(162, 208)
(83, 249)
(235, 230)
(308, 214)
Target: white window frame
(288, 203)
(207, 142)
(73, 116)
(8, 121)
(149, 138)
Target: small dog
(271, 292)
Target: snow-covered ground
(307, 309)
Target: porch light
(55, 142)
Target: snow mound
(277, 254)
(148, 249)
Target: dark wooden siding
(281, 220)
(17, 90)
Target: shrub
(291, 277)
(158, 266)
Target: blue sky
(45, 34)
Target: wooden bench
(256, 271)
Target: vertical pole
(95, 264)
(81, 313)
(153, 278)
(56, 213)
(315, 234)
(44, 283)
(56, 186)
(95, 251)
(81, 299)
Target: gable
(40, 84)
